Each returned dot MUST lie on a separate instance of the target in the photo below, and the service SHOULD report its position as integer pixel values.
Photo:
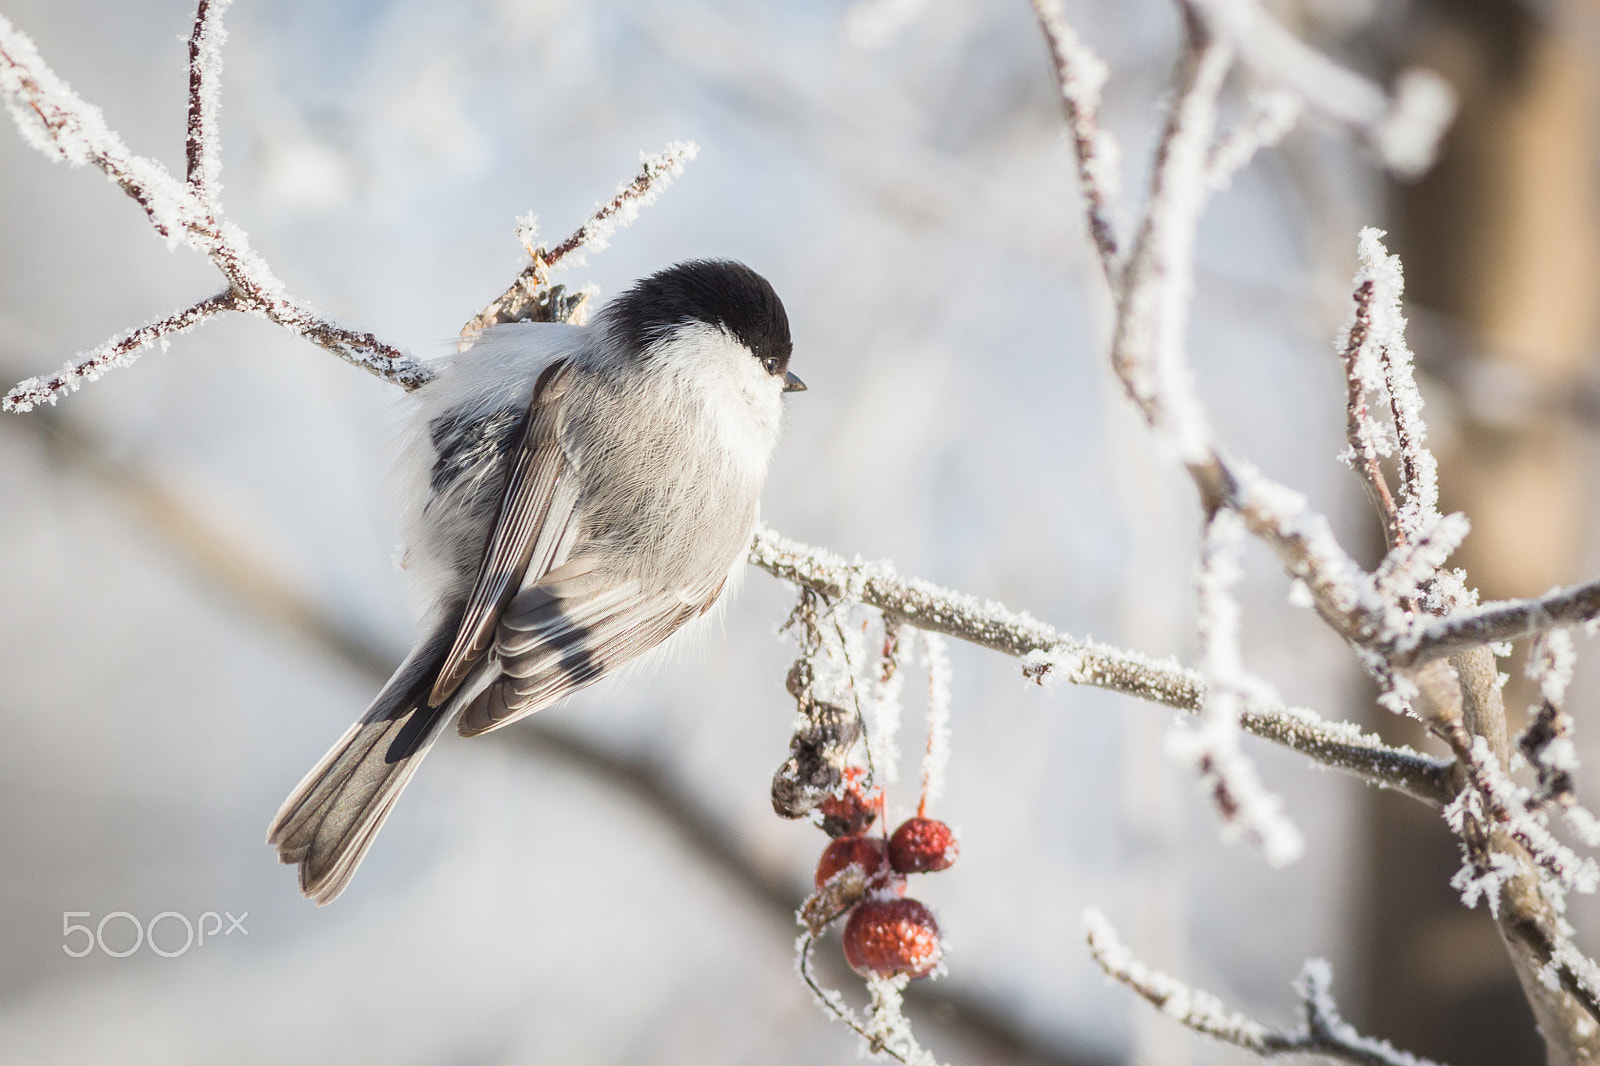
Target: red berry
(866, 852)
(852, 811)
(887, 937)
(922, 845)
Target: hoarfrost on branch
(1323, 1030)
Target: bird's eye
(771, 364)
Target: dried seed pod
(843, 890)
(817, 753)
(922, 845)
(887, 937)
(798, 679)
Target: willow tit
(581, 493)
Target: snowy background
(913, 206)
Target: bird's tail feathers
(331, 818)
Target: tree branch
(55, 120)
(1324, 1032)
(531, 289)
(1509, 620)
(117, 352)
(202, 150)
(1404, 128)
(1080, 75)
(1049, 654)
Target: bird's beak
(792, 383)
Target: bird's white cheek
(751, 411)
(742, 401)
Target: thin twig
(830, 1000)
(1243, 803)
(1360, 429)
(1512, 858)
(117, 352)
(525, 294)
(1324, 1032)
(1153, 308)
(55, 120)
(1273, 113)
(1493, 622)
(1080, 75)
(201, 148)
(1404, 128)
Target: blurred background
(197, 582)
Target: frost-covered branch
(59, 123)
(1273, 113)
(885, 1030)
(202, 146)
(1493, 622)
(1323, 1031)
(1513, 859)
(1245, 806)
(1494, 797)
(1547, 742)
(526, 293)
(1368, 441)
(1515, 864)
(1387, 370)
(936, 753)
(1147, 347)
(1148, 356)
(1404, 128)
(1080, 75)
(117, 352)
(1049, 655)
(1147, 352)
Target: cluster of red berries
(886, 934)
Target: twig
(1419, 471)
(1273, 113)
(1512, 858)
(1153, 308)
(202, 149)
(1364, 434)
(1505, 803)
(524, 294)
(1049, 654)
(55, 120)
(1080, 75)
(1405, 128)
(1547, 742)
(1323, 1032)
(1212, 747)
(936, 752)
(832, 1001)
(117, 352)
(1508, 620)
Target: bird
(573, 495)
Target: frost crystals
(1212, 747)
(1322, 1032)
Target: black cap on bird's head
(717, 292)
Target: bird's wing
(532, 532)
(572, 628)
